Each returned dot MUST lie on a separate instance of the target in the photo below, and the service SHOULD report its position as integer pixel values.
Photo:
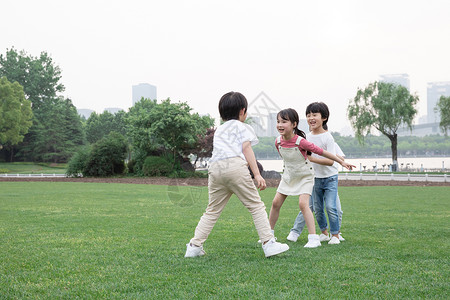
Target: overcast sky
(194, 51)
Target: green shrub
(107, 156)
(156, 166)
(78, 163)
(4, 170)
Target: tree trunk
(393, 139)
(11, 154)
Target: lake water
(425, 164)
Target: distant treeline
(374, 146)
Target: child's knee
(304, 206)
(276, 205)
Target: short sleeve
(248, 134)
(329, 144)
(338, 150)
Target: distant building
(84, 112)
(423, 119)
(400, 79)
(272, 124)
(256, 123)
(113, 110)
(263, 113)
(421, 130)
(143, 90)
(434, 92)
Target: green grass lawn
(68, 240)
(32, 168)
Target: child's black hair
(231, 104)
(289, 114)
(319, 107)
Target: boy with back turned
(228, 174)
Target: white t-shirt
(228, 140)
(338, 150)
(326, 142)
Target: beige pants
(228, 177)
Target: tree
(203, 147)
(175, 128)
(443, 107)
(15, 113)
(56, 135)
(99, 126)
(138, 124)
(385, 107)
(39, 76)
(164, 128)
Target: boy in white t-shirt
(326, 176)
(228, 174)
(299, 222)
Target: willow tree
(385, 107)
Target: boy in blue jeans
(326, 176)
(299, 222)
(228, 174)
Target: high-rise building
(400, 79)
(84, 112)
(257, 125)
(143, 90)
(113, 110)
(434, 92)
(272, 124)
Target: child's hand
(348, 166)
(261, 182)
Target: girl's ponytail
(299, 132)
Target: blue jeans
(340, 212)
(299, 222)
(325, 194)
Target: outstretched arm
(337, 159)
(320, 161)
(250, 157)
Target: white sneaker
(193, 251)
(293, 236)
(313, 241)
(272, 247)
(324, 238)
(334, 241)
(273, 232)
(341, 239)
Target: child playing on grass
(298, 174)
(299, 222)
(228, 174)
(326, 177)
